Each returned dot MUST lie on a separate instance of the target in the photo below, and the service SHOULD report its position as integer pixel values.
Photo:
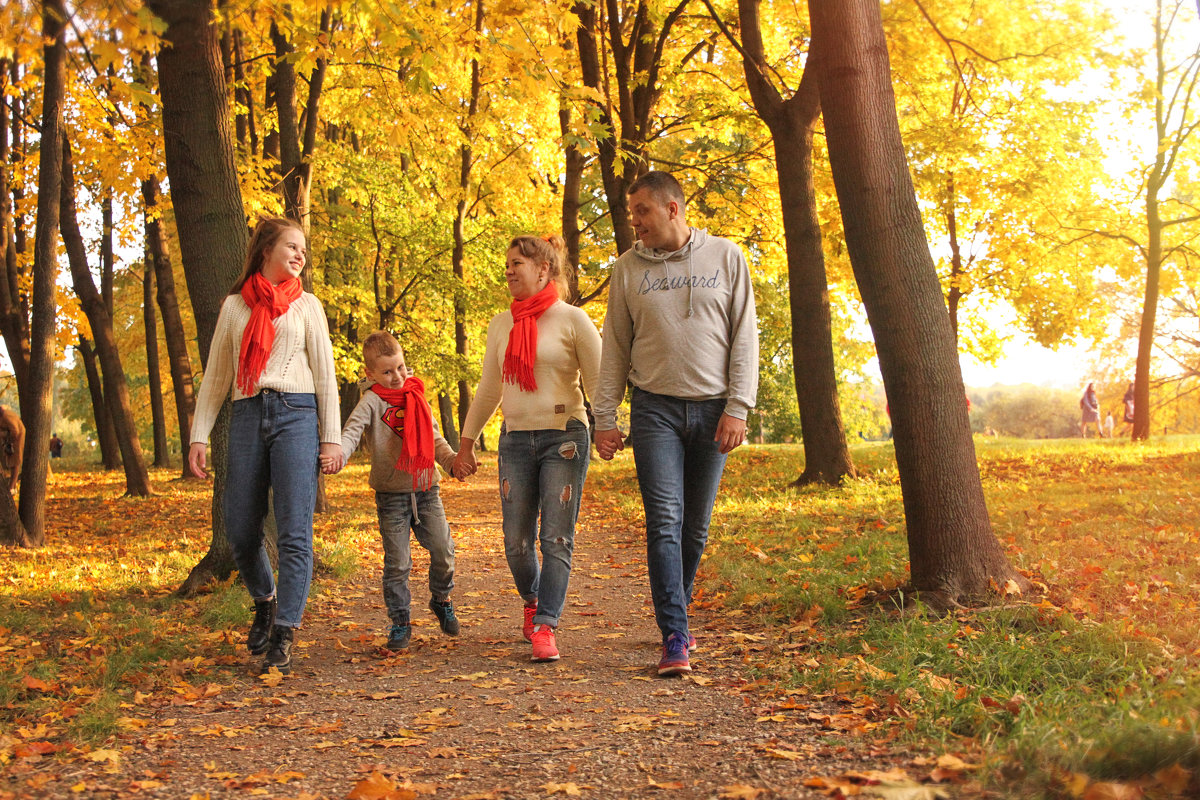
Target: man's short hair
(662, 185)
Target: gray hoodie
(680, 324)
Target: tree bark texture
(952, 549)
(116, 389)
(162, 457)
(172, 320)
(206, 195)
(106, 434)
(36, 404)
(792, 123)
(14, 321)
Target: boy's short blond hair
(380, 343)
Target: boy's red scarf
(267, 301)
(522, 339)
(409, 416)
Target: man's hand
(731, 432)
(609, 442)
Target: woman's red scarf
(409, 416)
(522, 339)
(267, 301)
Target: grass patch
(1095, 679)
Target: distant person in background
(56, 446)
(1108, 425)
(1127, 419)
(1089, 405)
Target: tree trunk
(446, 412)
(168, 305)
(198, 146)
(14, 324)
(12, 530)
(574, 161)
(952, 549)
(36, 404)
(792, 123)
(161, 457)
(116, 389)
(106, 434)
(1141, 375)
(458, 254)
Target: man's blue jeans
(679, 469)
(273, 447)
(422, 512)
(542, 472)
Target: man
(681, 328)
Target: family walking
(544, 360)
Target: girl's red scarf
(409, 416)
(267, 301)
(522, 339)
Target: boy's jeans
(273, 446)
(542, 471)
(679, 469)
(427, 521)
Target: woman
(536, 353)
(1090, 406)
(271, 344)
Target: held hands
(731, 432)
(609, 442)
(332, 459)
(465, 464)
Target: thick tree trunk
(116, 389)
(36, 402)
(106, 434)
(198, 145)
(162, 457)
(792, 122)
(952, 549)
(168, 305)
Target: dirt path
(471, 717)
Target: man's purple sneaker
(674, 659)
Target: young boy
(405, 442)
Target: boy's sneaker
(544, 647)
(279, 650)
(527, 627)
(399, 636)
(691, 643)
(444, 611)
(674, 659)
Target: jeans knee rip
(564, 496)
(505, 488)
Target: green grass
(1096, 674)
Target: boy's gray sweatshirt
(385, 445)
(680, 324)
